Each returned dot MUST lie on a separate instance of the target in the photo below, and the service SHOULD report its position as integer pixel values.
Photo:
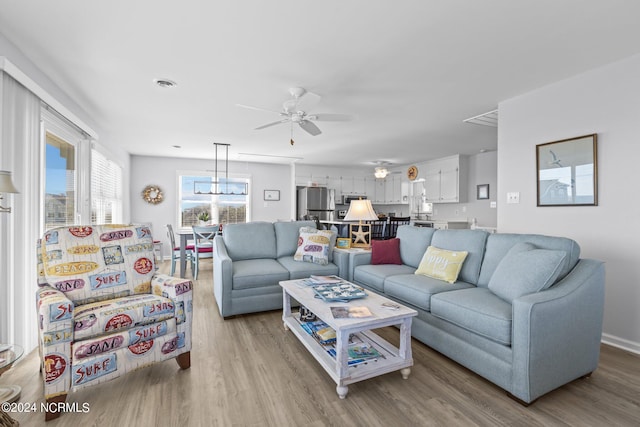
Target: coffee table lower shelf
(389, 363)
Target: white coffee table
(394, 358)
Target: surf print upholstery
(102, 309)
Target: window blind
(106, 190)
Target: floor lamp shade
(6, 186)
(360, 210)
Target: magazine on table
(346, 312)
(359, 351)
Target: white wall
(162, 171)
(605, 101)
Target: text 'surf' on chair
(102, 309)
(394, 223)
(203, 244)
(175, 252)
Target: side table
(9, 354)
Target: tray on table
(339, 292)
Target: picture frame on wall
(271, 195)
(482, 191)
(567, 172)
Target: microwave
(346, 200)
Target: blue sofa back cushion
(472, 241)
(287, 236)
(414, 242)
(499, 244)
(252, 240)
(525, 270)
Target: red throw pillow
(386, 251)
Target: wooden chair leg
(184, 360)
(53, 402)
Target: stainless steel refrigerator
(317, 201)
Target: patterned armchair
(102, 309)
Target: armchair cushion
(99, 318)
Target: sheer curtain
(20, 153)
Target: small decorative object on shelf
(152, 194)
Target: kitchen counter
(442, 224)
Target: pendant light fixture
(218, 188)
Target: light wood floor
(249, 371)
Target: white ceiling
(409, 71)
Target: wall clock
(152, 194)
(412, 173)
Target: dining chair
(203, 244)
(378, 229)
(394, 223)
(175, 251)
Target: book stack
(359, 350)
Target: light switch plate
(493, 205)
(513, 197)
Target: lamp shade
(361, 210)
(6, 186)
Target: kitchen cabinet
(370, 188)
(380, 192)
(445, 180)
(396, 190)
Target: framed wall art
(567, 172)
(483, 191)
(272, 195)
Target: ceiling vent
(165, 83)
(486, 119)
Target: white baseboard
(627, 345)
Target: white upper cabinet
(445, 180)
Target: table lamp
(360, 210)
(6, 186)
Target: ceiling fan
(296, 110)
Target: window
(60, 182)
(221, 209)
(106, 190)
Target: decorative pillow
(386, 251)
(441, 264)
(525, 270)
(314, 245)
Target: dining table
(185, 236)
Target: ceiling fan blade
(307, 101)
(250, 107)
(309, 127)
(327, 117)
(272, 124)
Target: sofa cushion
(287, 234)
(373, 276)
(414, 241)
(301, 270)
(499, 244)
(525, 270)
(256, 273)
(386, 251)
(251, 240)
(476, 310)
(441, 264)
(119, 314)
(417, 290)
(315, 245)
(472, 241)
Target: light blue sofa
(530, 346)
(249, 261)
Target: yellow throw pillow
(441, 264)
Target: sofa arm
(358, 258)
(55, 333)
(557, 332)
(341, 260)
(180, 291)
(222, 276)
